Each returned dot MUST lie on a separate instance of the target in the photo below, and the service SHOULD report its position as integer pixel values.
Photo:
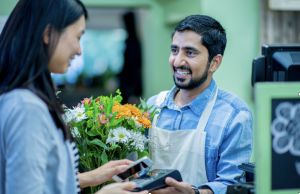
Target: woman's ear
(215, 63)
(46, 35)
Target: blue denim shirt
(229, 132)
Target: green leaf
(104, 157)
(118, 97)
(89, 123)
(99, 143)
(143, 105)
(142, 154)
(89, 113)
(131, 123)
(92, 133)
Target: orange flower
(133, 110)
(127, 110)
(146, 114)
(145, 122)
(121, 111)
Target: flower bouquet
(105, 130)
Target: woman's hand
(120, 188)
(103, 173)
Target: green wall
(6, 6)
(239, 17)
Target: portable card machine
(140, 173)
(155, 179)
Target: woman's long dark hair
(24, 57)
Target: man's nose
(179, 60)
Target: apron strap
(161, 97)
(159, 100)
(207, 111)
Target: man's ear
(215, 63)
(46, 35)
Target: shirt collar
(197, 105)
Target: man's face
(189, 60)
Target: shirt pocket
(211, 164)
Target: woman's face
(67, 47)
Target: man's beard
(193, 83)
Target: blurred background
(127, 42)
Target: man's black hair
(213, 35)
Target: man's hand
(176, 187)
(120, 188)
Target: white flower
(138, 140)
(78, 113)
(118, 135)
(68, 116)
(75, 132)
(110, 139)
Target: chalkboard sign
(285, 129)
(277, 138)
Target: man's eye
(174, 50)
(190, 53)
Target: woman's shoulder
(22, 98)
(24, 113)
(22, 104)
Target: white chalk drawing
(286, 130)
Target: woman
(36, 151)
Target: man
(201, 130)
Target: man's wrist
(196, 190)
